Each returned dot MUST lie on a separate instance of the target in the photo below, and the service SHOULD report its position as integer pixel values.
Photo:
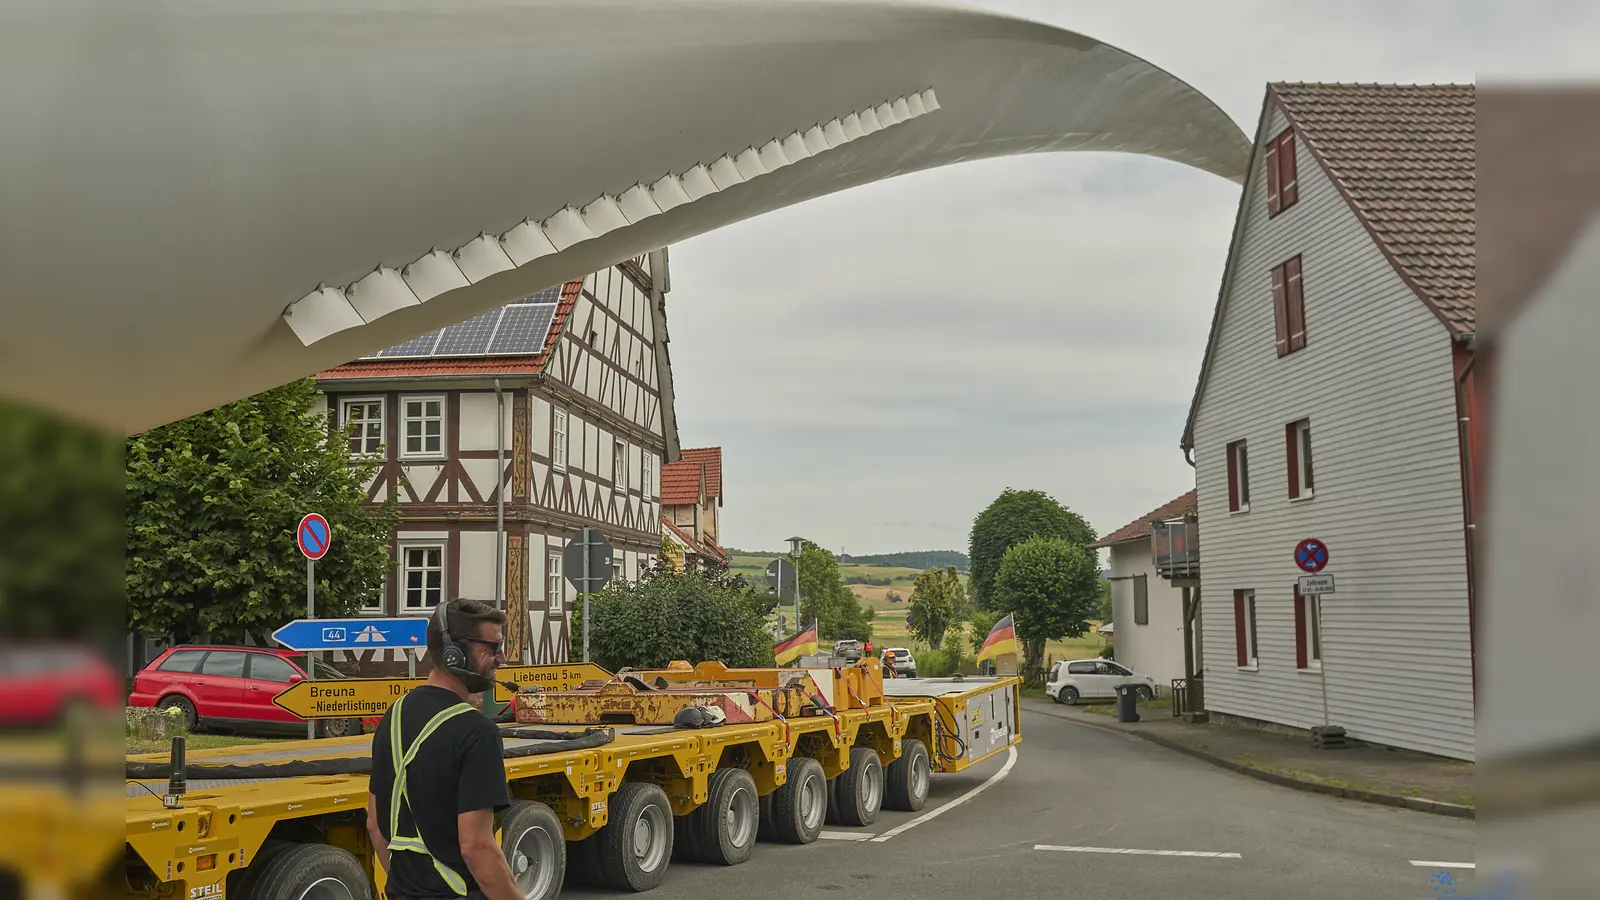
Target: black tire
(1143, 692)
(860, 789)
(685, 840)
(831, 817)
(1068, 695)
(583, 862)
(906, 780)
(335, 728)
(290, 873)
(727, 822)
(624, 866)
(767, 833)
(531, 835)
(191, 716)
(800, 805)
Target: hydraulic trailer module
(267, 821)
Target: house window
(1288, 307)
(422, 424)
(422, 573)
(647, 482)
(1238, 477)
(1244, 628)
(1307, 630)
(558, 441)
(554, 587)
(616, 569)
(1283, 184)
(363, 423)
(619, 464)
(1141, 600)
(1297, 440)
(373, 605)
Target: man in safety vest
(438, 770)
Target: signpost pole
(311, 657)
(584, 538)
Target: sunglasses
(495, 647)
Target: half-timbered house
(503, 435)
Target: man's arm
(375, 834)
(484, 857)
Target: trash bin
(1127, 703)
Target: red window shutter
(1238, 628)
(1288, 180)
(1280, 312)
(1233, 479)
(1295, 303)
(1301, 654)
(1291, 436)
(1274, 181)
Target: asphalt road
(1073, 786)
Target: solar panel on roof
(517, 329)
(524, 329)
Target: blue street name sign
(353, 634)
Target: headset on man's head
(454, 657)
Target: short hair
(466, 619)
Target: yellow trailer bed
(226, 832)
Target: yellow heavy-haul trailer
(583, 792)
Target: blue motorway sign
(353, 634)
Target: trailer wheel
(531, 836)
(728, 820)
(831, 816)
(765, 831)
(636, 843)
(583, 862)
(907, 777)
(311, 872)
(860, 788)
(801, 804)
(685, 839)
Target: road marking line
(1443, 865)
(1011, 760)
(844, 836)
(1207, 854)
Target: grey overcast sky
(878, 364)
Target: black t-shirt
(461, 767)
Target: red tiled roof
(491, 365)
(680, 483)
(1139, 528)
(1405, 158)
(712, 457)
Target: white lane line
(844, 836)
(1201, 853)
(930, 815)
(1423, 863)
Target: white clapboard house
(503, 435)
(1332, 405)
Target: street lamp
(794, 554)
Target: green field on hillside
(889, 625)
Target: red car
(42, 684)
(232, 687)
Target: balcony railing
(1175, 548)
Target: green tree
(1105, 604)
(61, 541)
(212, 505)
(1050, 585)
(982, 623)
(825, 598)
(1012, 518)
(937, 597)
(671, 614)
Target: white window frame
(1252, 636)
(554, 584)
(405, 419)
(647, 483)
(1240, 451)
(1302, 453)
(619, 463)
(378, 608)
(404, 594)
(558, 439)
(363, 403)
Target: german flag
(801, 644)
(1002, 640)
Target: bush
(672, 615)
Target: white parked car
(1072, 680)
